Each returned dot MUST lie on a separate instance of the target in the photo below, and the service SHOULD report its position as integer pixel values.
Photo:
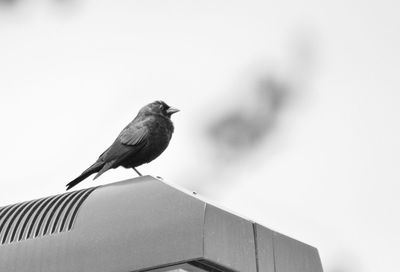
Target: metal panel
(125, 226)
(265, 249)
(136, 225)
(295, 256)
(229, 240)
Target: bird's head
(160, 108)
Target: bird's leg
(137, 171)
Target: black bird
(141, 141)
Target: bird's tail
(91, 170)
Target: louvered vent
(40, 217)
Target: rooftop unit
(141, 224)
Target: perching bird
(141, 141)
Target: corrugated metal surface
(40, 217)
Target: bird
(140, 142)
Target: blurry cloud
(63, 5)
(238, 131)
(4, 3)
(242, 122)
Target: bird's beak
(172, 110)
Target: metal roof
(138, 225)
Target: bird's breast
(158, 141)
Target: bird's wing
(129, 141)
(135, 134)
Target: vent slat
(40, 217)
(44, 214)
(53, 210)
(36, 218)
(35, 207)
(61, 211)
(24, 212)
(4, 219)
(32, 210)
(69, 211)
(83, 198)
(12, 218)
(4, 211)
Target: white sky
(74, 73)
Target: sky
(289, 110)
